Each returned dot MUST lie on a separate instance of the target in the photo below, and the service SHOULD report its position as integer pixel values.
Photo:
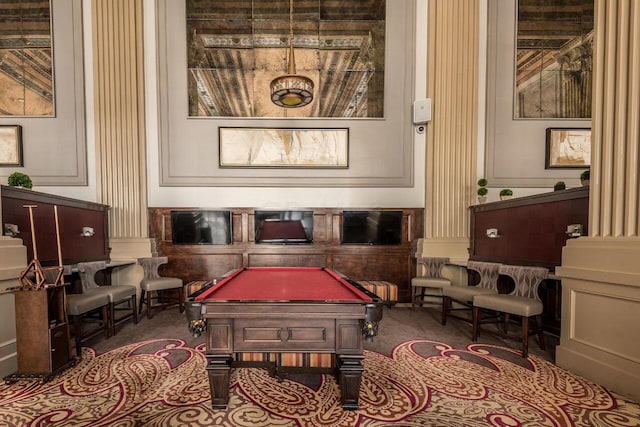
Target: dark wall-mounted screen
(201, 227)
(284, 226)
(372, 227)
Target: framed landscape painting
(284, 148)
(568, 148)
(11, 145)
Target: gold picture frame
(283, 148)
(568, 148)
(11, 145)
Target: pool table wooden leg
(218, 367)
(349, 377)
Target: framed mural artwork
(568, 148)
(283, 148)
(11, 145)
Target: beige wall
(54, 148)
(515, 149)
(381, 151)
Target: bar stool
(155, 287)
(523, 301)
(429, 282)
(118, 294)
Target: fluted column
(120, 122)
(600, 337)
(452, 72)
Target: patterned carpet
(422, 383)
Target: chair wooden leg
(525, 336)
(149, 305)
(476, 323)
(538, 319)
(142, 296)
(446, 305)
(77, 331)
(134, 308)
(505, 324)
(105, 320)
(112, 319)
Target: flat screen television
(372, 227)
(201, 227)
(285, 227)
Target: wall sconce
(574, 230)
(492, 233)
(87, 232)
(11, 230)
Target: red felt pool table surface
(284, 284)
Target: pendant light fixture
(291, 90)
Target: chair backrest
(88, 272)
(432, 266)
(150, 266)
(527, 279)
(488, 272)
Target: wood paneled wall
(394, 263)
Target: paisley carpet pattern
(422, 383)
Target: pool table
(285, 310)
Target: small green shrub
(506, 192)
(584, 176)
(482, 191)
(482, 182)
(19, 179)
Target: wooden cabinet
(42, 332)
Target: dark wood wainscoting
(393, 263)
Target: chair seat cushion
(465, 294)
(430, 282)
(160, 284)
(90, 299)
(512, 304)
(119, 292)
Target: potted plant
(584, 177)
(482, 194)
(19, 179)
(505, 194)
(559, 186)
(482, 191)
